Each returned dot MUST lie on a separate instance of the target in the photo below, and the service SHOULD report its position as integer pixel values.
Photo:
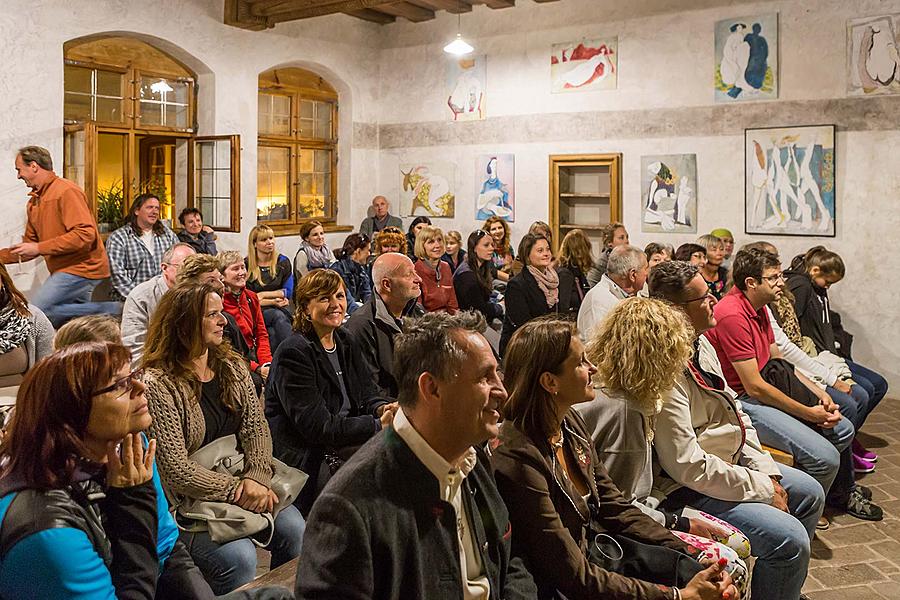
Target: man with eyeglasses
(788, 410)
(712, 459)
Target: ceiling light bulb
(458, 46)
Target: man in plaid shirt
(136, 249)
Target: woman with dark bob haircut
(558, 492)
(82, 509)
(320, 403)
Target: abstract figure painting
(495, 182)
(747, 59)
(427, 190)
(873, 60)
(789, 180)
(467, 83)
(584, 66)
(669, 190)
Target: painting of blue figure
(495, 183)
(790, 175)
(747, 59)
(669, 199)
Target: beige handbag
(225, 521)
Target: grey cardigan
(40, 343)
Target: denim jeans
(854, 405)
(779, 540)
(64, 296)
(278, 325)
(232, 564)
(816, 451)
(874, 384)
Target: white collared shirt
(475, 583)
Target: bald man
(374, 325)
(380, 218)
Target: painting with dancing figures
(584, 66)
(495, 186)
(873, 60)
(789, 181)
(427, 190)
(467, 84)
(747, 59)
(669, 193)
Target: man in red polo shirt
(793, 416)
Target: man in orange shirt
(60, 228)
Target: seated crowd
(418, 414)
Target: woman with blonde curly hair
(560, 495)
(320, 403)
(640, 349)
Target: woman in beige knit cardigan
(198, 391)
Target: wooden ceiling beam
(237, 14)
(412, 12)
(496, 3)
(451, 6)
(322, 9)
(375, 16)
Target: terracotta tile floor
(859, 560)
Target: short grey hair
(428, 344)
(668, 279)
(37, 154)
(168, 254)
(381, 268)
(228, 258)
(623, 259)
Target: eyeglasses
(480, 233)
(773, 278)
(707, 296)
(123, 385)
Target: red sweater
(437, 296)
(247, 311)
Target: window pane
(307, 109)
(109, 109)
(77, 107)
(164, 102)
(310, 206)
(323, 120)
(306, 161)
(306, 183)
(323, 161)
(272, 184)
(73, 169)
(151, 113)
(176, 116)
(213, 182)
(109, 83)
(307, 128)
(77, 79)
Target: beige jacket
(705, 441)
(178, 427)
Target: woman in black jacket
(534, 291)
(79, 517)
(808, 279)
(474, 277)
(319, 403)
(575, 260)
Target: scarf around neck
(548, 281)
(318, 258)
(14, 329)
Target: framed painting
(428, 190)
(584, 66)
(495, 186)
(873, 62)
(669, 193)
(789, 181)
(747, 59)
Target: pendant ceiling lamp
(459, 46)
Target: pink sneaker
(860, 451)
(861, 465)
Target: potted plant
(110, 207)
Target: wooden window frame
(235, 224)
(297, 144)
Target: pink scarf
(548, 281)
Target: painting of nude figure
(789, 181)
(873, 60)
(747, 59)
(584, 66)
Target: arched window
(297, 152)
(129, 115)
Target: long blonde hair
(253, 264)
(639, 348)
